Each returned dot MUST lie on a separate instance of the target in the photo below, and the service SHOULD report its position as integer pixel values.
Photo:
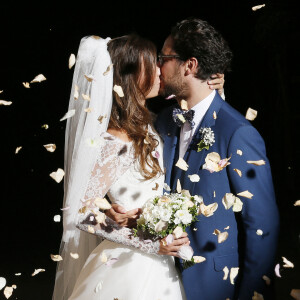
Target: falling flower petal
(216, 232)
(259, 232)
(238, 205)
(266, 279)
(277, 267)
(88, 110)
(239, 152)
(297, 203)
(195, 229)
(194, 178)
(2, 283)
(69, 114)
(208, 210)
(74, 255)
(18, 149)
(103, 257)
(245, 194)
(102, 203)
(287, 263)
(257, 296)
(76, 92)
(181, 118)
(160, 226)
(9, 290)
(178, 186)
(26, 85)
(226, 272)
(257, 7)
(181, 164)
(6, 103)
(251, 114)
(233, 274)
(256, 162)
(50, 147)
(228, 200)
(214, 194)
(111, 261)
(58, 175)
(98, 286)
(89, 77)
(1, 92)
(100, 119)
(91, 229)
(45, 126)
(38, 78)
(118, 89)
(86, 97)
(183, 105)
(65, 208)
(167, 188)
(214, 163)
(37, 271)
(226, 228)
(170, 97)
(215, 115)
(57, 218)
(72, 60)
(199, 259)
(56, 257)
(178, 232)
(238, 171)
(169, 239)
(155, 154)
(17, 274)
(222, 237)
(156, 187)
(108, 69)
(295, 293)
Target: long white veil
(89, 79)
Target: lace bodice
(116, 173)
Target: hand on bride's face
(156, 84)
(174, 247)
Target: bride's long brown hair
(134, 60)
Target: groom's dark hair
(196, 38)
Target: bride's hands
(173, 248)
(123, 217)
(217, 83)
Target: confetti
(38, 78)
(222, 237)
(233, 274)
(18, 149)
(214, 163)
(226, 228)
(256, 162)
(215, 115)
(238, 171)
(91, 229)
(86, 97)
(297, 203)
(56, 257)
(76, 92)
(103, 257)
(251, 114)
(72, 60)
(259, 232)
(257, 7)
(100, 119)
(181, 164)
(58, 175)
(295, 294)
(2, 283)
(230, 200)
(57, 218)
(108, 69)
(118, 89)
(26, 85)
(6, 103)
(1, 92)
(199, 259)
(89, 77)
(177, 232)
(37, 271)
(9, 290)
(257, 296)
(277, 267)
(74, 255)
(45, 126)
(214, 194)
(245, 194)
(50, 147)
(69, 114)
(98, 286)
(178, 186)
(88, 110)
(226, 272)
(170, 97)
(266, 279)
(102, 203)
(287, 263)
(183, 105)
(208, 210)
(239, 152)
(181, 118)
(194, 178)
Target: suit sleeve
(257, 251)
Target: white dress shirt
(186, 133)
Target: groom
(190, 55)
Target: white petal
(58, 175)
(88, 110)
(17, 274)
(6, 103)
(208, 210)
(297, 203)
(277, 267)
(233, 274)
(254, 8)
(215, 115)
(194, 178)
(238, 171)
(1, 93)
(181, 118)
(9, 290)
(178, 186)
(226, 272)
(118, 89)
(72, 60)
(228, 200)
(18, 149)
(199, 259)
(222, 237)
(103, 257)
(56, 257)
(50, 147)
(245, 194)
(239, 152)
(2, 283)
(108, 69)
(227, 227)
(238, 205)
(91, 229)
(86, 97)
(287, 263)
(38, 78)
(181, 164)
(57, 218)
(69, 114)
(37, 271)
(251, 114)
(45, 126)
(98, 286)
(102, 203)
(256, 162)
(74, 255)
(89, 77)
(183, 105)
(26, 85)
(259, 232)
(177, 232)
(76, 92)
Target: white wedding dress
(124, 267)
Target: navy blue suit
(253, 254)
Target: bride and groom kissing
(192, 53)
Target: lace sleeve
(110, 230)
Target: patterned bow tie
(181, 116)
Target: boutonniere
(207, 138)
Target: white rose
(184, 216)
(185, 252)
(165, 215)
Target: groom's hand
(173, 248)
(123, 217)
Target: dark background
(40, 38)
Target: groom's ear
(191, 66)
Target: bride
(112, 149)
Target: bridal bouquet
(168, 216)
